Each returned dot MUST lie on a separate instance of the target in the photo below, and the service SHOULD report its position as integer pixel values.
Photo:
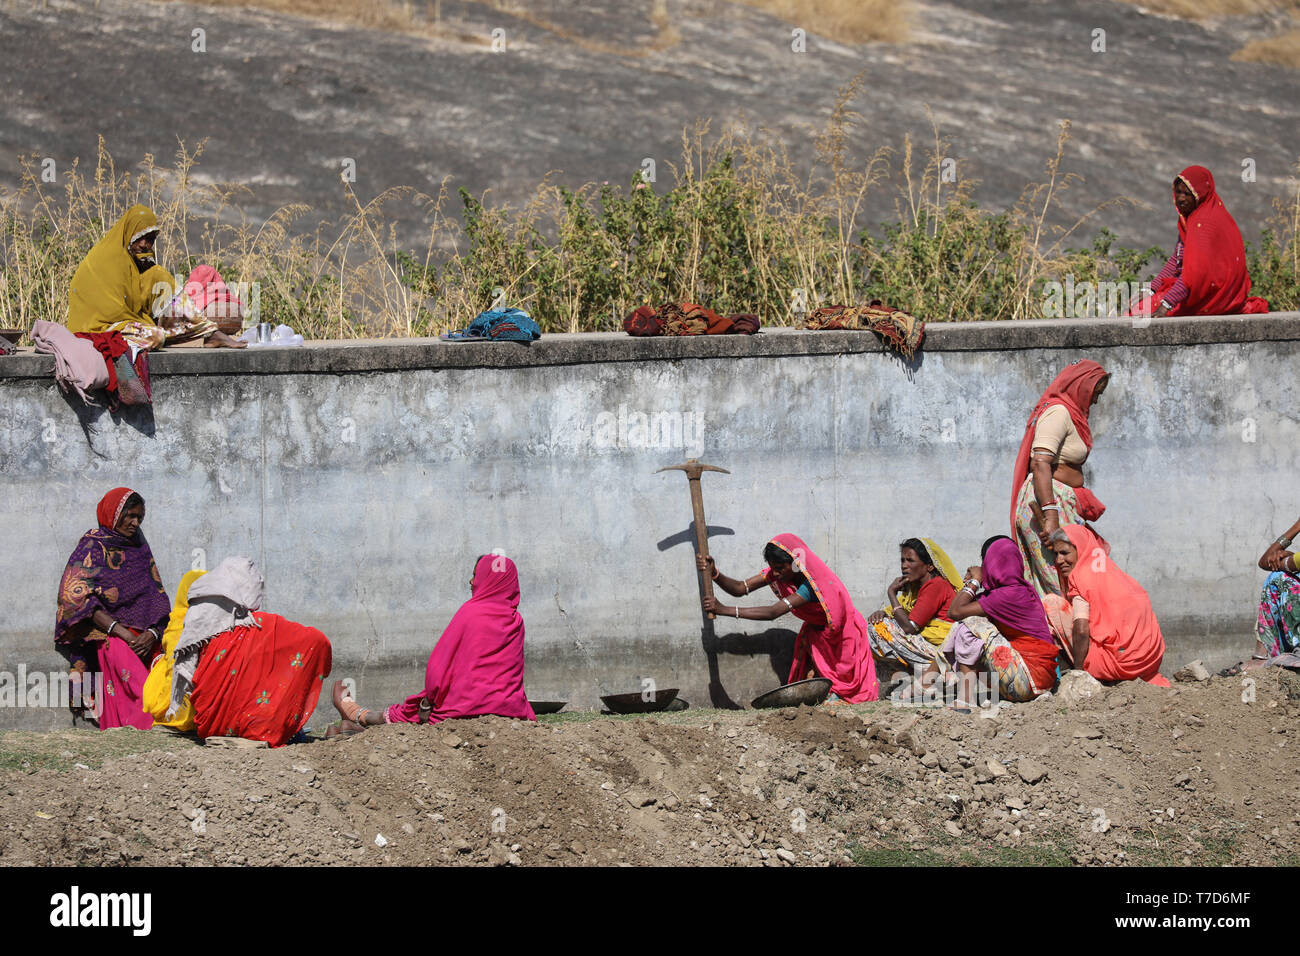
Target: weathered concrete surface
(366, 477)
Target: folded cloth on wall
(78, 366)
(128, 368)
(224, 598)
(498, 325)
(900, 330)
(687, 318)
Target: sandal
(1241, 666)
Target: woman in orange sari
(833, 640)
(1106, 618)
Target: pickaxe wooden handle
(694, 469)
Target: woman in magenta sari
(476, 668)
(112, 610)
(833, 640)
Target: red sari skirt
(261, 684)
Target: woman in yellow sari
(119, 287)
(912, 627)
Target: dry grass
(1207, 9)
(846, 21)
(1282, 50)
(738, 224)
(391, 15)
(424, 18)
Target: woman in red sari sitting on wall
(1206, 275)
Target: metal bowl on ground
(633, 703)
(678, 704)
(11, 335)
(811, 692)
(547, 706)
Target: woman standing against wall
(1048, 489)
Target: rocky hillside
(284, 101)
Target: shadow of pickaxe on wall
(718, 696)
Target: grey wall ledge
(367, 355)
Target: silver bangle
(1283, 541)
(737, 613)
(1049, 508)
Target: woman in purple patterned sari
(112, 611)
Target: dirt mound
(1201, 773)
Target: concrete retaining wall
(365, 477)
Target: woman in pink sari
(833, 640)
(476, 668)
(1105, 621)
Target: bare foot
(220, 340)
(337, 696)
(344, 728)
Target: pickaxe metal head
(693, 468)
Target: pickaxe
(693, 470)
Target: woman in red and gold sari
(243, 672)
(833, 640)
(112, 610)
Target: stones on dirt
(236, 743)
(1192, 673)
(1030, 771)
(1077, 686)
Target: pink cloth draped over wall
(477, 666)
(834, 634)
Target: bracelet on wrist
(1283, 542)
